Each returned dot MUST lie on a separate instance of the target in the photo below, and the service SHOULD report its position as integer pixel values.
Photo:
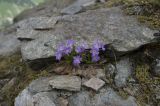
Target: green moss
(142, 74)
(151, 21)
(146, 84)
(123, 94)
(13, 67)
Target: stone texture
(30, 28)
(106, 97)
(42, 99)
(8, 42)
(63, 101)
(40, 85)
(76, 7)
(94, 83)
(47, 9)
(26, 98)
(124, 33)
(124, 69)
(41, 51)
(65, 82)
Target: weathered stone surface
(90, 72)
(63, 101)
(42, 99)
(77, 6)
(124, 69)
(65, 82)
(26, 98)
(41, 51)
(107, 97)
(110, 69)
(8, 42)
(40, 85)
(94, 83)
(124, 33)
(31, 27)
(48, 8)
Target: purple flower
(98, 45)
(94, 52)
(77, 60)
(95, 58)
(81, 48)
(64, 48)
(70, 43)
(58, 55)
(67, 50)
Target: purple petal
(70, 43)
(77, 60)
(95, 58)
(58, 55)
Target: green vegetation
(13, 67)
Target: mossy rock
(13, 67)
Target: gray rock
(100, 73)
(107, 97)
(94, 83)
(32, 26)
(42, 99)
(8, 43)
(48, 8)
(77, 6)
(156, 69)
(40, 85)
(110, 25)
(124, 69)
(65, 82)
(41, 51)
(26, 98)
(110, 70)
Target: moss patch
(13, 67)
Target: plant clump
(81, 53)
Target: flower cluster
(67, 48)
(97, 45)
(64, 49)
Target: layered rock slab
(110, 25)
(104, 98)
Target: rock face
(124, 69)
(8, 42)
(40, 85)
(104, 97)
(77, 6)
(94, 83)
(48, 8)
(65, 82)
(124, 33)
